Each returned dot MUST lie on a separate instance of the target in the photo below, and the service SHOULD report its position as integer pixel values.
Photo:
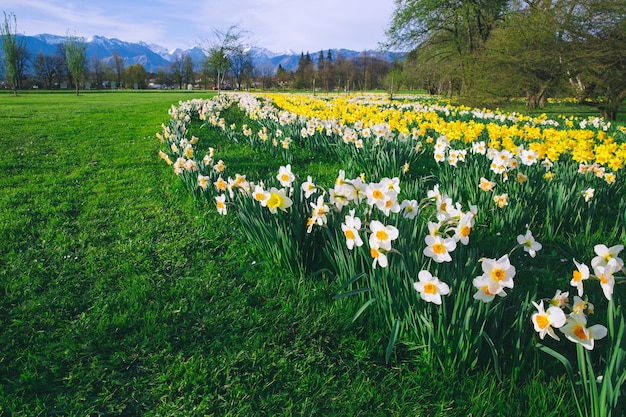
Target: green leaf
(494, 354)
(362, 308)
(352, 292)
(395, 331)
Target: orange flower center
(465, 231)
(581, 333)
(498, 274)
(578, 276)
(439, 248)
(430, 288)
(382, 235)
(542, 321)
(377, 194)
(349, 234)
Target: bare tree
(119, 64)
(47, 68)
(227, 51)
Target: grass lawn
(122, 295)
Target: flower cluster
(573, 325)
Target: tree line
(228, 64)
(489, 50)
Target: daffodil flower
(439, 248)
(529, 244)
(220, 203)
(576, 330)
(499, 273)
(351, 231)
(430, 288)
(278, 200)
(484, 288)
(578, 276)
(605, 274)
(546, 321)
(378, 254)
(382, 235)
(605, 254)
(285, 176)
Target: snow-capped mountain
(155, 57)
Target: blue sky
(278, 25)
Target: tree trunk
(535, 98)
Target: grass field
(122, 295)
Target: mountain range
(154, 57)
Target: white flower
(438, 248)
(605, 254)
(430, 288)
(220, 203)
(546, 321)
(410, 209)
(351, 230)
(285, 176)
(576, 330)
(578, 276)
(382, 235)
(308, 188)
(528, 242)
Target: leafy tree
(527, 56)
(76, 57)
(15, 53)
(189, 75)
(217, 62)
(282, 76)
(597, 29)
(445, 30)
(305, 73)
(136, 74)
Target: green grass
(122, 295)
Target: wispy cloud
(276, 24)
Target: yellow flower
(486, 185)
(278, 200)
(501, 200)
(166, 158)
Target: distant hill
(155, 57)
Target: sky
(278, 25)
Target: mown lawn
(122, 295)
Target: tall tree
(189, 75)
(445, 30)
(97, 69)
(178, 69)
(136, 75)
(527, 56)
(12, 50)
(228, 50)
(598, 32)
(305, 73)
(118, 63)
(76, 57)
